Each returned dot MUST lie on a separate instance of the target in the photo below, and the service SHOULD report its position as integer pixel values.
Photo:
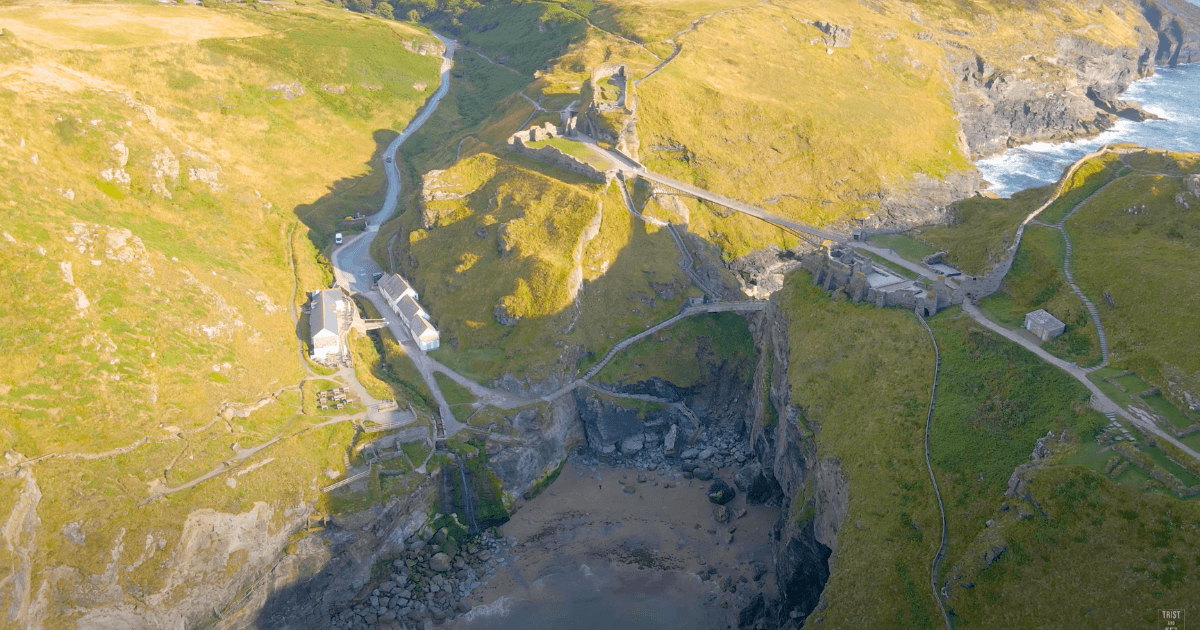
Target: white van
(337, 238)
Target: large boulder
(837, 36)
(669, 440)
(720, 492)
(440, 562)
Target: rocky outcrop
(761, 271)
(1175, 22)
(1071, 92)
(1105, 98)
(835, 36)
(544, 439)
(610, 120)
(922, 200)
(805, 538)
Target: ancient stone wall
(556, 158)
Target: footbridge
(744, 208)
(628, 167)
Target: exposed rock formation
(1004, 107)
(836, 36)
(610, 120)
(1175, 24)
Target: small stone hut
(1044, 325)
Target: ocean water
(1172, 93)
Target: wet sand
(587, 554)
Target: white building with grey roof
(324, 324)
(394, 288)
(402, 298)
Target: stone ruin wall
(592, 119)
(832, 275)
(552, 155)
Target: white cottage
(425, 334)
(327, 307)
(394, 288)
(402, 299)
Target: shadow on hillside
(347, 197)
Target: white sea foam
(499, 608)
(1170, 94)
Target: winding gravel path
(936, 564)
(1091, 308)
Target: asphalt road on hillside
(352, 262)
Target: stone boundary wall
(557, 158)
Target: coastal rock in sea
(720, 492)
(440, 562)
(1105, 97)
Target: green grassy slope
(862, 375)
(1097, 549)
(531, 223)
(152, 165)
(1036, 281)
(1146, 260)
(1143, 259)
(751, 109)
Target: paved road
(352, 262)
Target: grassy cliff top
(155, 163)
(1134, 234)
(522, 237)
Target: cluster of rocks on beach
(426, 586)
(431, 582)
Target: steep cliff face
(1175, 24)
(1068, 90)
(813, 492)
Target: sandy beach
(600, 548)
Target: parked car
(376, 276)
(388, 159)
(337, 238)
